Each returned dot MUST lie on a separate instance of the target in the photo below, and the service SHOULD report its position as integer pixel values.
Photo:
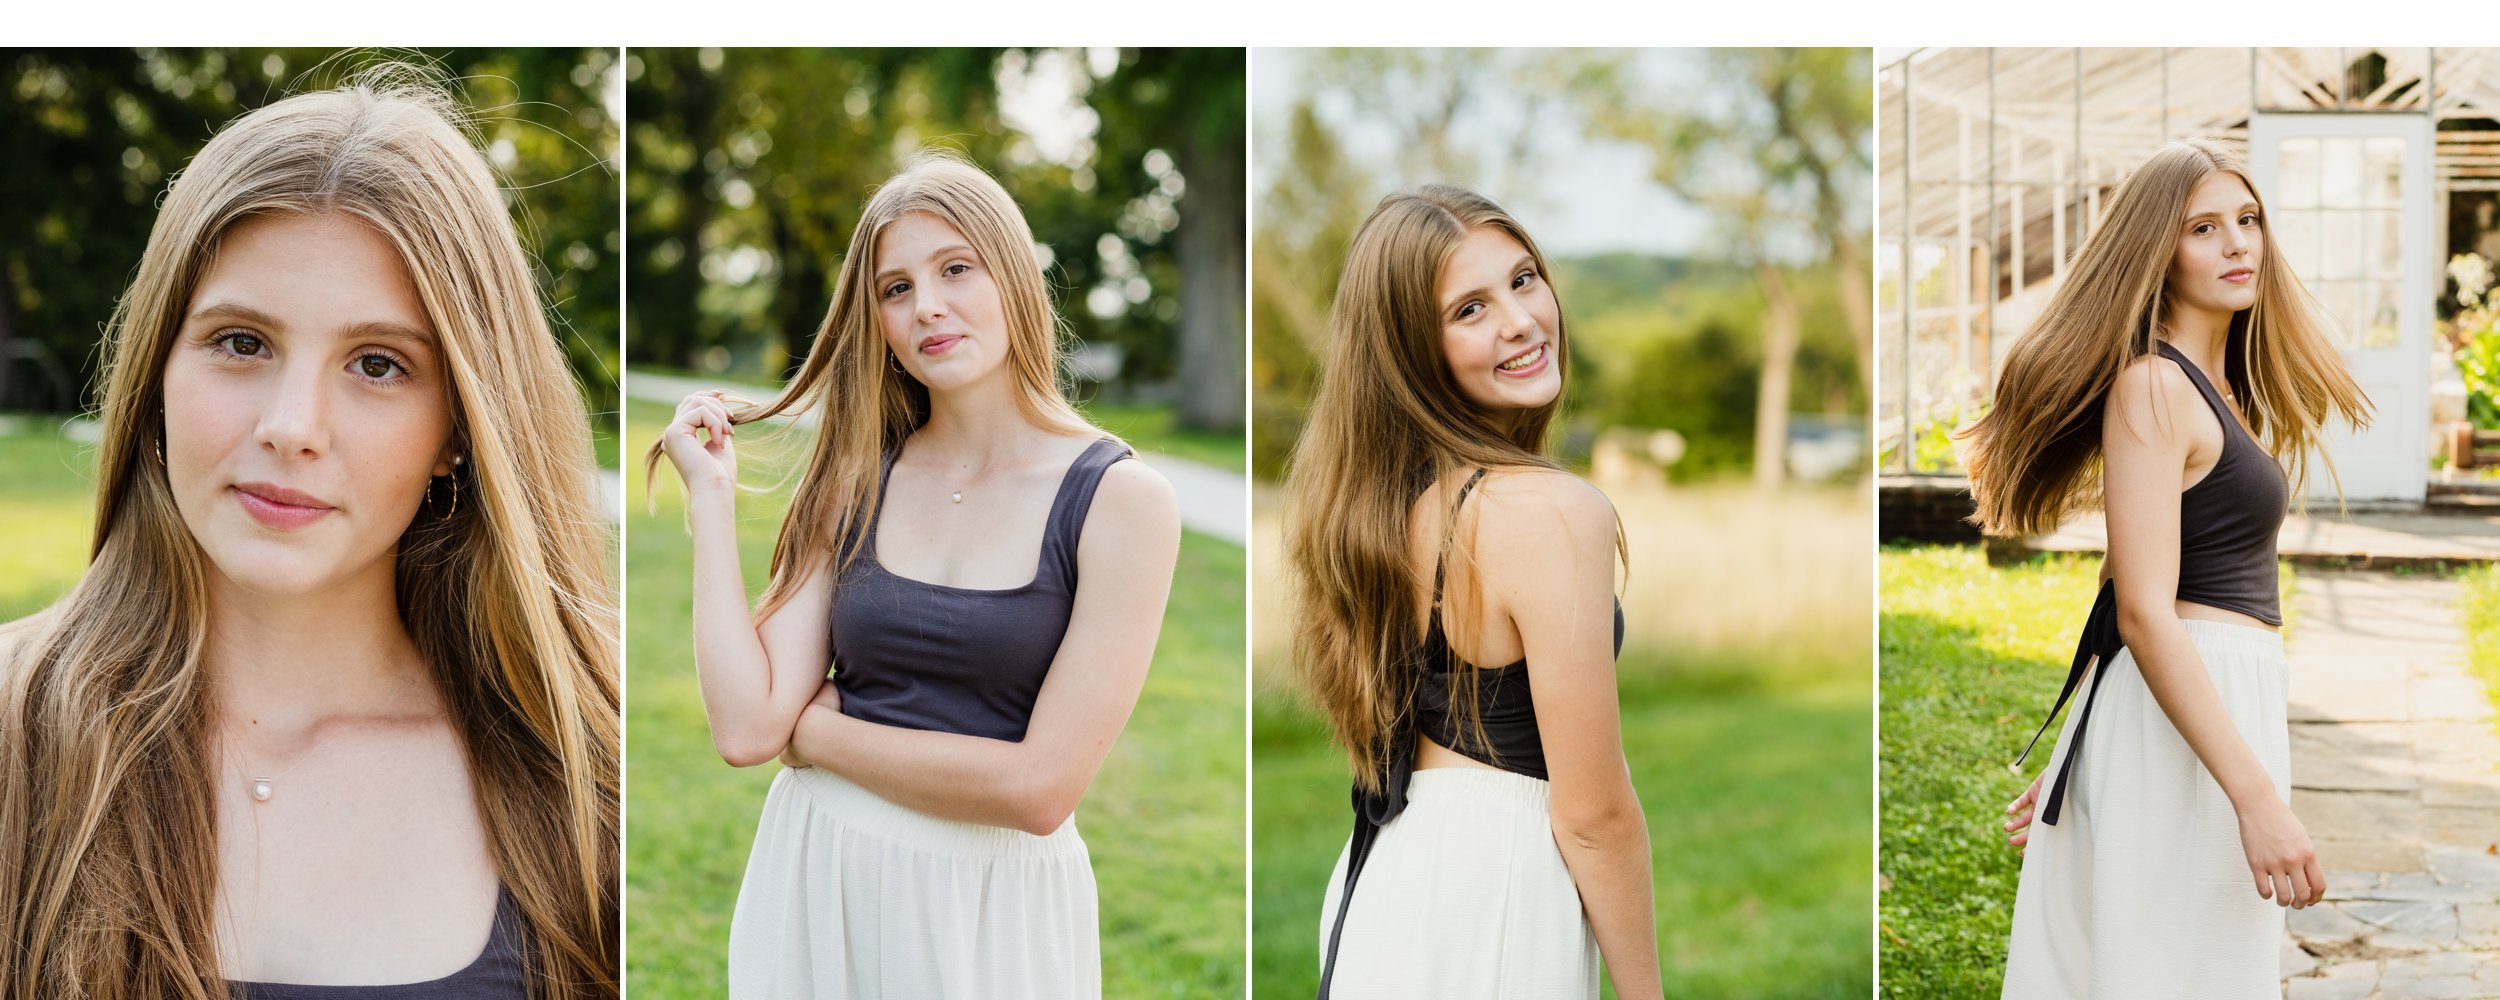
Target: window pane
(2383, 161)
(2296, 172)
(2339, 173)
(2296, 238)
(2379, 316)
(2386, 254)
(2339, 245)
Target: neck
(2201, 334)
(281, 664)
(973, 425)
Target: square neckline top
(497, 973)
(964, 660)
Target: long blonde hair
(2034, 459)
(108, 861)
(1389, 420)
(865, 403)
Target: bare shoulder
(1132, 503)
(2148, 396)
(1544, 499)
(1131, 487)
(1529, 523)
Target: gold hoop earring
(160, 452)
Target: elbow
(1040, 805)
(1614, 822)
(2137, 624)
(741, 750)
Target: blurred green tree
(95, 134)
(750, 168)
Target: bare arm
(1124, 563)
(755, 677)
(2147, 440)
(1553, 567)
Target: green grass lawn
(1163, 820)
(47, 512)
(1758, 796)
(1973, 656)
(2480, 609)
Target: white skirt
(2142, 891)
(1465, 895)
(849, 895)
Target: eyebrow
(2245, 206)
(943, 251)
(375, 329)
(1523, 261)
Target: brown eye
(244, 344)
(375, 366)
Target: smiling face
(1499, 323)
(305, 405)
(938, 303)
(2222, 245)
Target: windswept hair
(2035, 458)
(108, 860)
(1390, 420)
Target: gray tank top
(2228, 520)
(949, 659)
(497, 974)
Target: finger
(2265, 888)
(2283, 895)
(2317, 881)
(2020, 839)
(2300, 887)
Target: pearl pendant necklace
(957, 496)
(260, 790)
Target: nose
(295, 417)
(926, 304)
(1517, 321)
(2238, 243)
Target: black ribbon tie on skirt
(2101, 642)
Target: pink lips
(1545, 356)
(939, 344)
(2239, 275)
(278, 507)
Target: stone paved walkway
(2396, 773)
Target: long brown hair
(108, 861)
(2035, 458)
(1389, 421)
(864, 402)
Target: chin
(282, 567)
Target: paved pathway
(2396, 772)
(1213, 500)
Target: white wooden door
(2349, 196)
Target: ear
(450, 459)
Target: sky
(1596, 196)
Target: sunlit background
(1705, 212)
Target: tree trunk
(1779, 358)
(1856, 299)
(1208, 249)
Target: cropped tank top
(498, 973)
(2228, 520)
(955, 660)
(1505, 706)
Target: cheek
(207, 417)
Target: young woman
(2179, 369)
(1499, 847)
(987, 578)
(333, 710)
